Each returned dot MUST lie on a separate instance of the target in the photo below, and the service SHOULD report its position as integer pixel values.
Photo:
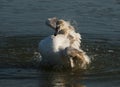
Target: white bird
(63, 47)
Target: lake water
(22, 26)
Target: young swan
(63, 48)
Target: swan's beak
(57, 29)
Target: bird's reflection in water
(65, 80)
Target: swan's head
(62, 27)
(59, 25)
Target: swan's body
(51, 47)
(63, 48)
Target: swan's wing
(77, 57)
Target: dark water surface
(22, 26)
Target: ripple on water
(20, 52)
